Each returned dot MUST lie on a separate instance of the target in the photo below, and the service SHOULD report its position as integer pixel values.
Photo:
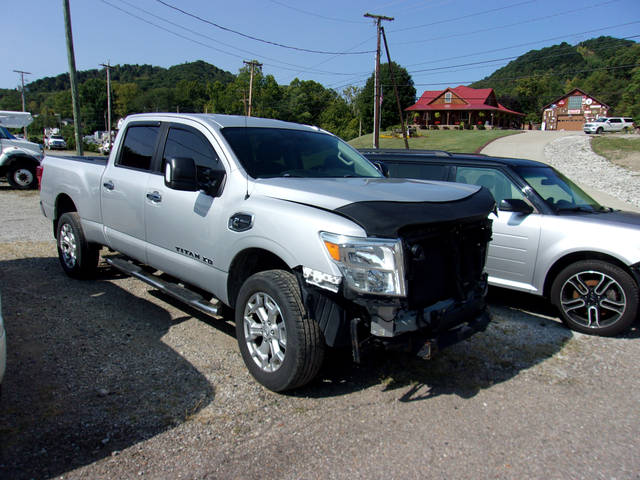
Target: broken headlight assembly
(369, 266)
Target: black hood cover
(386, 219)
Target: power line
(461, 18)
(515, 57)
(297, 68)
(315, 14)
(251, 37)
(560, 37)
(493, 28)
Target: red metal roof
(474, 98)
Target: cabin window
(575, 102)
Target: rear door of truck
(124, 189)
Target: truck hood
(383, 206)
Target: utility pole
(108, 68)
(395, 89)
(72, 77)
(22, 74)
(253, 64)
(376, 106)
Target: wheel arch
(248, 262)
(567, 260)
(19, 158)
(64, 204)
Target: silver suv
(549, 237)
(609, 124)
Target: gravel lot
(110, 379)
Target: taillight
(39, 170)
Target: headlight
(369, 266)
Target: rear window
(138, 147)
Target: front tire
(281, 346)
(22, 177)
(599, 130)
(595, 297)
(79, 258)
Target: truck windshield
(558, 191)
(279, 152)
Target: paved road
(531, 145)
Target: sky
(440, 42)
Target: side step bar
(174, 290)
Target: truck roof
(219, 121)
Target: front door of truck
(183, 229)
(123, 189)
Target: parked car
(549, 237)
(284, 223)
(3, 346)
(609, 124)
(55, 142)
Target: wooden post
(376, 101)
(72, 77)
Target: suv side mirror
(180, 174)
(382, 167)
(516, 205)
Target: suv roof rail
(438, 153)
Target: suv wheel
(595, 297)
(599, 130)
(281, 346)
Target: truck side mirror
(382, 167)
(180, 174)
(516, 205)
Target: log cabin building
(463, 105)
(572, 110)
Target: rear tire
(281, 346)
(79, 258)
(595, 297)
(22, 177)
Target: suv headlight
(371, 266)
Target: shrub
(445, 128)
(480, 126)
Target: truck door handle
(108, 185)
(154, 197)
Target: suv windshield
(279, 152)
(558, 191)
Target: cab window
(138, 147)
(191, 144)
(494, 180)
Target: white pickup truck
(285, 224)
(19, 158)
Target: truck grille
(444, 261)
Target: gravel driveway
(110, 379)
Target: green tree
(389, 109)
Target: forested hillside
(190, 87)
(605, 67)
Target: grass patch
(621, 150)
(462, 141)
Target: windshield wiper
(577, 208)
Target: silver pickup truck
(285, 224)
